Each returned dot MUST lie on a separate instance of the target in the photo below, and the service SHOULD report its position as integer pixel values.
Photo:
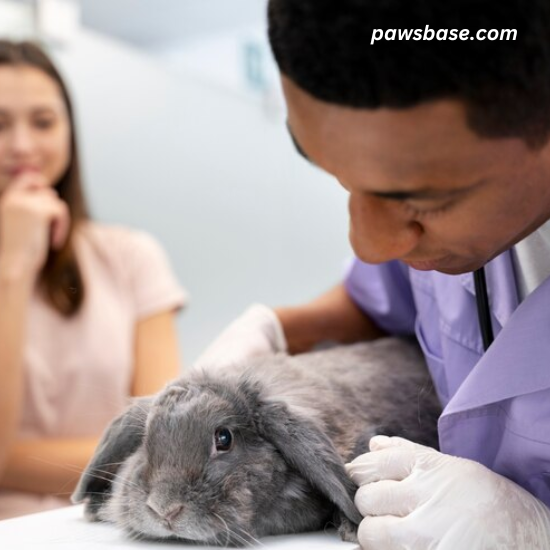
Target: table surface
(67, 528)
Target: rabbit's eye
(223, 439)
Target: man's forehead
(423, 192)
(428, 149)
(442, 123)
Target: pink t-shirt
(78, 370)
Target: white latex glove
(415, 498)
(257, 331)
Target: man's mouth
(428, 265)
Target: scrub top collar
(511, 368)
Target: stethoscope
(483, 312)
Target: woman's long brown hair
(61, 278)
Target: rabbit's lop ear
(307, 449)
(121, 439)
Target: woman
(86, 310)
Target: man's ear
(307, 449)
(120, 440)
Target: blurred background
(182, 130)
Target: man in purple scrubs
(443, 145)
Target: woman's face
(35, 131)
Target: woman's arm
(157, 354)
(15, 291)
(32, 218)
(47, 466)
(54, 465)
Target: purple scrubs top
(496, 404)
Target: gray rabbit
(225, 457)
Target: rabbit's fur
(294, 422)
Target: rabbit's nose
(167, 513)
(172, 513)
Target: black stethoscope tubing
(483, 311)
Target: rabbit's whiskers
(114, 477)
(231, 533)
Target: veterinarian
(443, 146)
(86, 309)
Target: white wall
(162, 23)
(242, 216)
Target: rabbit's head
(217, 462)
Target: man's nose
(380, 230)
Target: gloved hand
(416, 498)
(257, 331)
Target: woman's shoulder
(116, 237)
(102, 231)
(119, 244)
(134, 260)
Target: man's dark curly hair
(324, 46)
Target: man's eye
(427, 210)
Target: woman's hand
(32, 219)
(413, 497)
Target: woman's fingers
(33, 220)
(61, 223)
(29, 179)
